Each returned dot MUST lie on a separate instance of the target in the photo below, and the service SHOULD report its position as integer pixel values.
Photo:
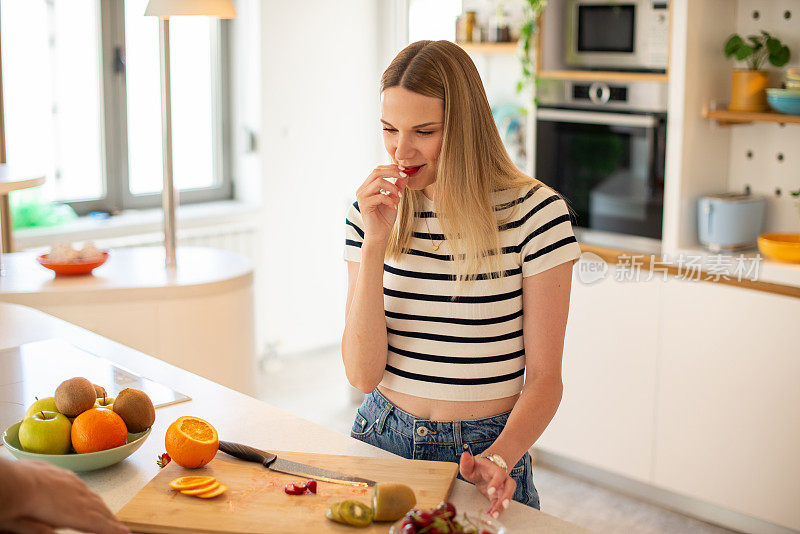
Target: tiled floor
(314, 387)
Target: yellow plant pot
(748, 90)
(781, 247)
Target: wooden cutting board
(256, 503)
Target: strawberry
(163, 460)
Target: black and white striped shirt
(470, 349)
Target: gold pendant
(435, 247)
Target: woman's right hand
(379, 211)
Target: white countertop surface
(754, 266)
(135, 268)
(236, 416)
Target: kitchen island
(236, 416)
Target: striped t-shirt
(470, 349)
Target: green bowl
(75, 462)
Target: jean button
(422, 431)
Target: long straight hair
(472, 164)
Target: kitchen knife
(271, 461)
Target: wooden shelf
(490, 48)
(724, 116)
(593, 75)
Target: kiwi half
(391, 501)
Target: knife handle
(248, 454)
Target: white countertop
(139, 269)
(236, 416)
(763, 268)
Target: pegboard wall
(766, 156)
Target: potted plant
(748, 85)
(530, 27)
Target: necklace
(435, 246)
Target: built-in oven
(602, 146)
(621, 35)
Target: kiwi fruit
(391, 501)
(136, 409)
(75, 396)
(99, 391)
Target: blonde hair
(473, 161)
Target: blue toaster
(730, 221)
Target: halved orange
(202, 489)
(191, 442)
(186, 483)
(213, 493)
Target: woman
(459, 279)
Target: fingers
(382, 171)
(381, 183)
(25, 526)
(59, 498)
(467, 466)
(494, 489)
(504, 497)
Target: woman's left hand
(490, 480)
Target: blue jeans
(384, 425)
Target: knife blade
(271, 461)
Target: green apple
(46, 432)
(104, 402)
(46, 405)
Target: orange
(186, 483)
(98, 429)
(202, 489)
(213, 493)
(191, 442)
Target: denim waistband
(434, 431)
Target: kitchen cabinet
(684, 392)
(728, 401)
(609, 369)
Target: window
(82, 95)
(432, 19)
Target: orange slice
(213, 493)
(202, 489)
(186, 483)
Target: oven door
(609, 167)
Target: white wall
(764, 172)
(320, 139)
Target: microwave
(617, 36)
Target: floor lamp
(164, 9)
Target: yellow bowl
(781, 247)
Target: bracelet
(496, 459)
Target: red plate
(72, 267)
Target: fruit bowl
(72, 267)
(75, 462)
(485, 523)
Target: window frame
(114, 134)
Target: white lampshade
(165, 9)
